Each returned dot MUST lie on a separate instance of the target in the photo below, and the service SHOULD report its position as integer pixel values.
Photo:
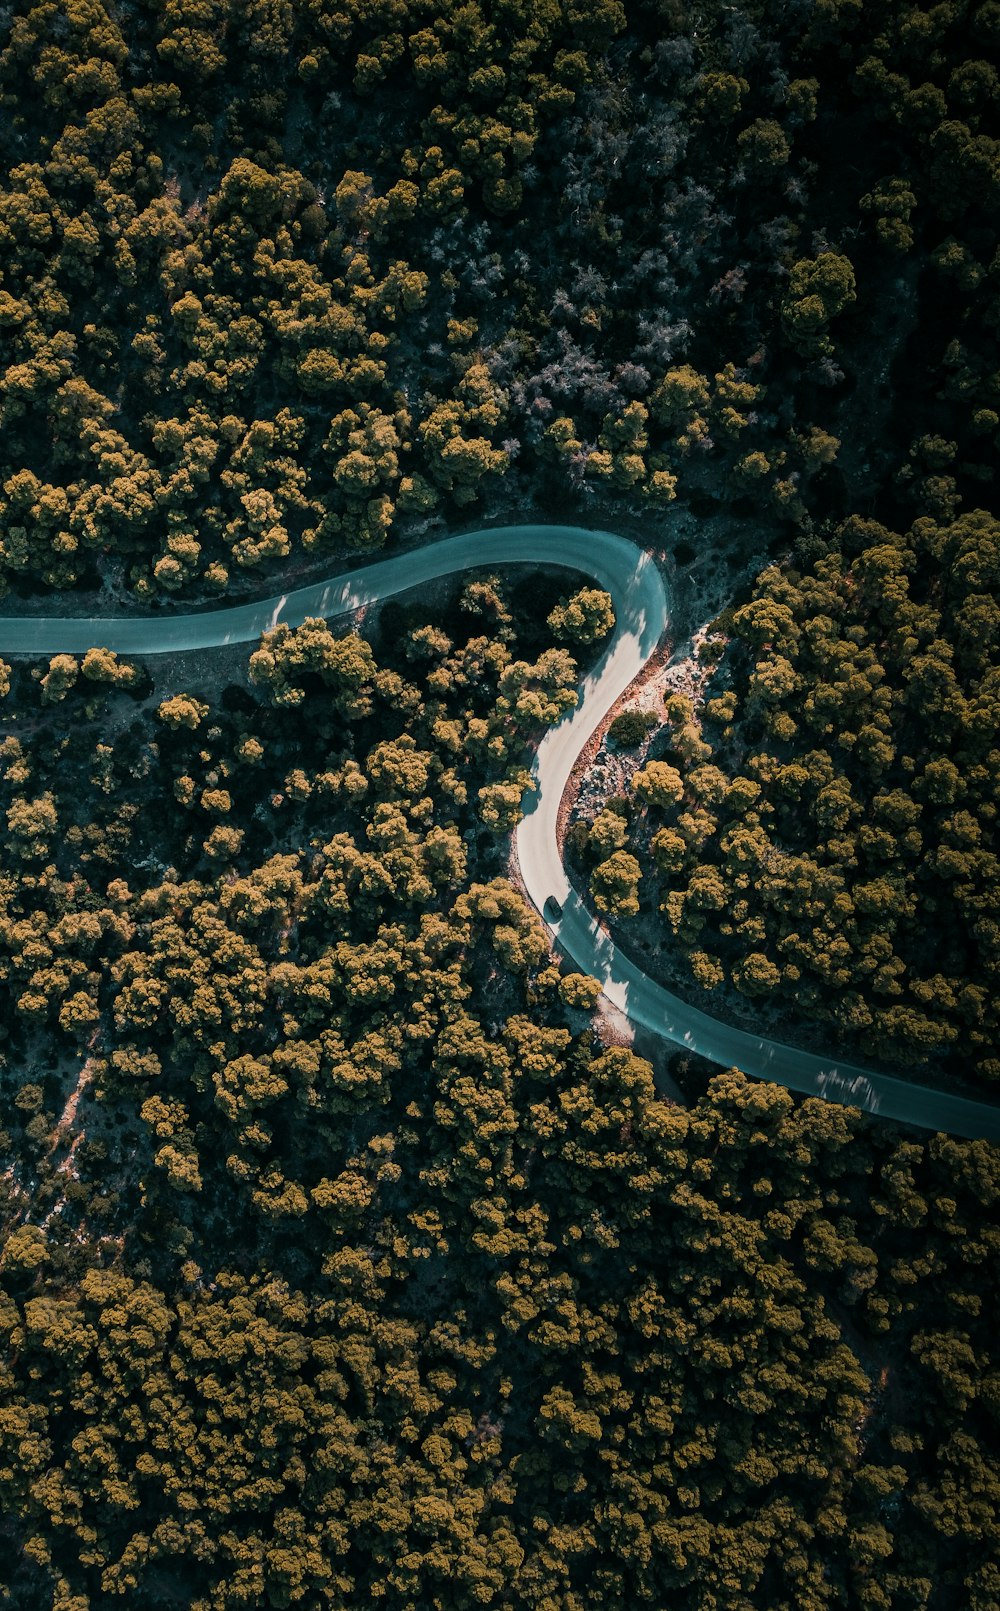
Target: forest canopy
(346, 1254)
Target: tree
(721, 95)
(31, 825)
(585, 617)
(819, 289)
(608, 833)
(891, 203)
(344, 665)
(59, 679)
(756, 974)
(182, 710)
(103, 665)
(659, 784)
(631, 727)
(578, 990)
(614, 885)
(25, 1251)
(764, 147)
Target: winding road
(631, 577)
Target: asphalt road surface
(636, 587)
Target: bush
(631, 728)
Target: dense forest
(345, 1256)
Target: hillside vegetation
(342, 1261)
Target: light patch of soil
(689, 673)
(66, 1129)
(614, 1027)
(698, 594)
(602, 770)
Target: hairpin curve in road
(633, 579)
